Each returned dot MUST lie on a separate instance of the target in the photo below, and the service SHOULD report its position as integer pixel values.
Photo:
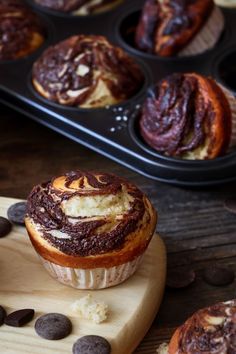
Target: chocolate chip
(230, 205)
(91, 345)
(19, 318)
(53, 326)
(16, 213)
(177, 279)
(218, 276)
(5, 226)
(2, 315)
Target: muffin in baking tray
(178, 27)
(189, 116)
(21, 32)
(209, 330)
(90, 229)
(86, 71)
(79, 7)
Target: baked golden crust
(89, 220)
(20, 30)
(210, 331)
(167, 26)
(86, 71)
(188, 116)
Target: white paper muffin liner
(97, 278)
(232, 102)
(226, 3)
(208, 36)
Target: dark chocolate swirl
(182, 116)
(88, 6)
(86, 71)
(92, 212)
(210, 331)
(20, 30)
(166, 27)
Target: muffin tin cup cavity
(224, 69)
(71, 15)
(125, 32)
(126, 103)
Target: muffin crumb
(89, 309)
(162, 349)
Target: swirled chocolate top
(20, 30)
(187, 115)
(84, 213)
(86, 71)
(82, 7)
(211, 330)
(167, 26)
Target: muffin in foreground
(189, 116)
(89, 229)
(79, 7)
(21, 32)
(86, 71)
(209, 330)
(179, 28)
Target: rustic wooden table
(196, 227)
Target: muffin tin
(113, 131)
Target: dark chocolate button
(218, 276)
(2, 315)
(178, 279)
(53, 326)
(230, 205)
(91, 345)
(19, 318)
(5, 226)
(16, 213)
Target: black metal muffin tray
(113, 131)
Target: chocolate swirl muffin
(178, 27)
(21, 32)
(90, 229)
(86, 71)
(79, 7)
(187, 116)
(211, 330)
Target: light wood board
(24, 283)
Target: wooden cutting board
(25, 284)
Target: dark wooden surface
(196, 227)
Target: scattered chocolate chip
(218, 276)
(16, 213)
(53, 326)
(19, 318)
(5, 226)
(3, 314)
(230, 205)
(91, 345)
(178, 279)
